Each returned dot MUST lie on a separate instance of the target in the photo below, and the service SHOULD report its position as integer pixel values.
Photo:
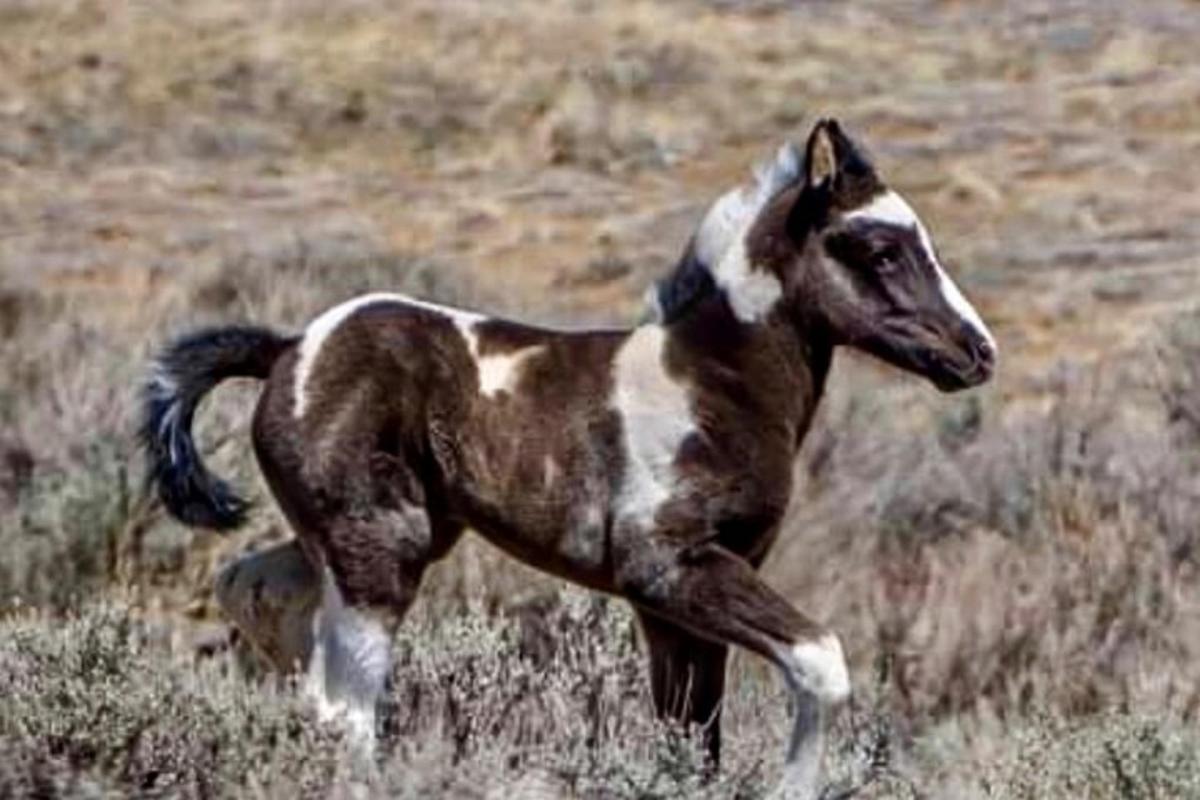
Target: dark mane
(693, 276)
(687, 283)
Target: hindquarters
(343, 444)
(352, 474)
(393, 424)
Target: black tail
(181, 375)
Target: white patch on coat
(656, 417)
(721, 238)
(320, 329)
(893, 209)
(821, 668)
(752, 293)
(350, 660)
(550, 471)
(498, 372)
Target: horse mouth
(963, 380)
(960, 371)
(949, 365)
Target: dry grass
(1014, 572)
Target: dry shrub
(476, 708)
(550, 703)
(553, 694)
(1102, 757)
(1179, 385)
(27, 771)
(97, 692)
(72, 476)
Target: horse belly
(578, 553)
(547, 515)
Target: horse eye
(887, 260)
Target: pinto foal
(653, 463)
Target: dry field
(1015, 572)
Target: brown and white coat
(652, 463)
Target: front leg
(717, 596)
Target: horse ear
(821, 155)
(822, 163)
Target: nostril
(983, 350)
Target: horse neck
(773, 371)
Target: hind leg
(687, 678)
(350, 660)
(373, 565)
(369, 516)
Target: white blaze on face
(656, 417)
(892, 209)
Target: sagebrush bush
(26, 770)
(1101, 757)
(60, 542)
(70, 476)
(98, 700)
(546, 703)
(97, 692)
